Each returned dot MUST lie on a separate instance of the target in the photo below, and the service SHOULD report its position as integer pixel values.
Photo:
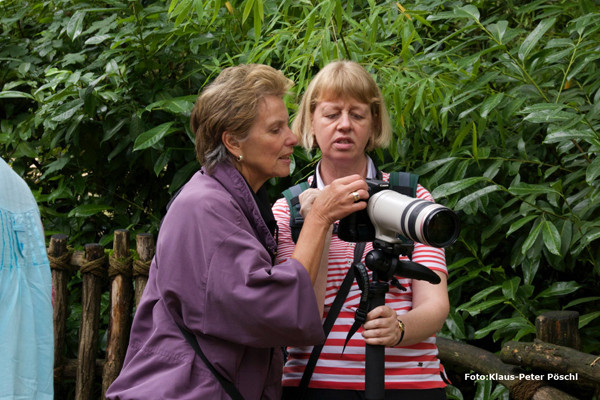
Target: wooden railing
(125, 278)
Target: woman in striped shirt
(343, 114)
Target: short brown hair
(230, 103)
(341, 79)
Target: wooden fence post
(555, 351)
(145, 249)
(120, 308)
(93, 272)
(559, 327)
(59, 264)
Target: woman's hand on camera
(338, 199)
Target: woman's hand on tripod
(381, 327)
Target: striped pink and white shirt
(406, 367)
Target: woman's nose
(344, 121)
(292, 139)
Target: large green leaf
(592, 171)
(247, 9)
(524, 189)
(449, 188)
(94, 40)
(547, 113)
(534, 37)
(478, 308)
(432, 165)
(485, 293)
(498, 30)
(66, 111)
(571, 134)
(519, 223)
(587, 318)
(491, 103)
(504, 324)
(469, 11)
(551, 237)
(75, 25)
(510, 287)
(582, 300)
(153, 136)
(475, 196)
(15, 94)
(87, 210)
(559, 289)
(180, 105)
(532, 237)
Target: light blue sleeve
(26, 329)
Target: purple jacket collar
(233, 181)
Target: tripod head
(383, 261)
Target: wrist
(402, 330)
(317, 219)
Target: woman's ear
(231, 143)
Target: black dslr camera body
(357, 227)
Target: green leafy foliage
(495, 104)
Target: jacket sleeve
(218, 276)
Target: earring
(239, 158)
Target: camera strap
(360, 315)
(334, 310)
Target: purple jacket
(213, 274)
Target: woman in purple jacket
(213, 274)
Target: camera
(394, 217)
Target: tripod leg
(375, 355)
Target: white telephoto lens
(420, 220)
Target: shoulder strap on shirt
(336, 306)
(292, 195)
(229, 387)
(404, 182)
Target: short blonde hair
(230, 103)
(343, 79)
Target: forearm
(320, 285)
(421, 324)
(310, 245)
(429, 312)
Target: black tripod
(383, 261)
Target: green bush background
(496, 104)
